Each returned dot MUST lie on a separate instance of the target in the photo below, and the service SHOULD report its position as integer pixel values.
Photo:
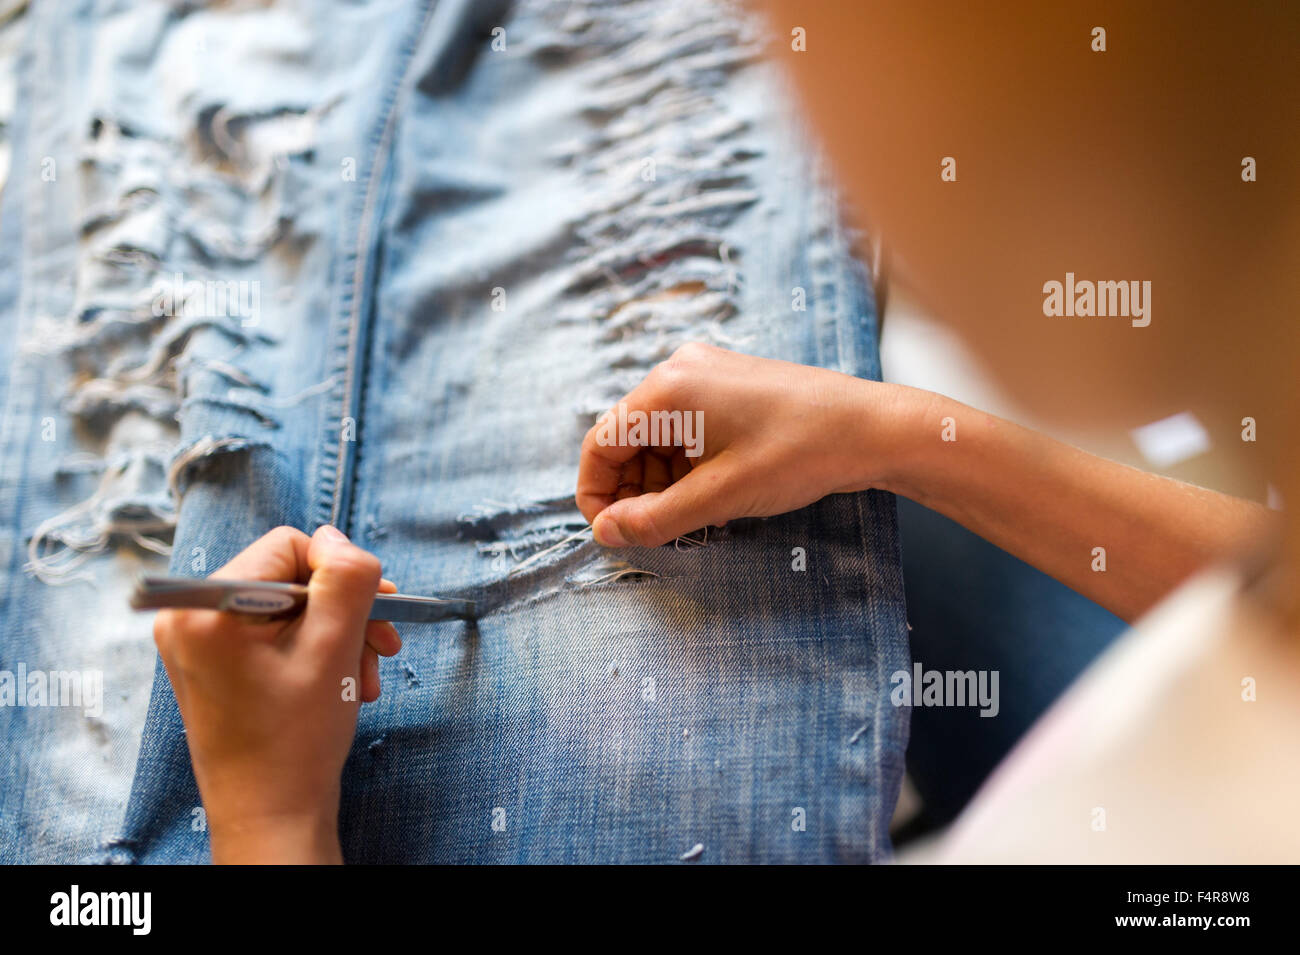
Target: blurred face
(997, 149)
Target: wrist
(309, 838)
(896, 433)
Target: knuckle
(284, 534)
(176, 632)
(691, 352)
(164, 630)
(194, 625)
(683, 365)
(355, 563)
(672, 374)
(639, 527)
(591, 439)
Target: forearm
(1053, 505)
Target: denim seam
(332, 500)
(830, 287)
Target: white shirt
(1181, 744)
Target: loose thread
(542, 553)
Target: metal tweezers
(262, 598)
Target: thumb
(342, 587)
(699, 499)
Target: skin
(266, 719)
(779, 436)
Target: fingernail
(333, 533)
(607, 533)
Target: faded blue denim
(474, 229)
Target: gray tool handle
(263, 598)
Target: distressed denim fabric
(82, 494)
(474, 226)
(161, 155)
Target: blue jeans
(974, 607)
(476, 228)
